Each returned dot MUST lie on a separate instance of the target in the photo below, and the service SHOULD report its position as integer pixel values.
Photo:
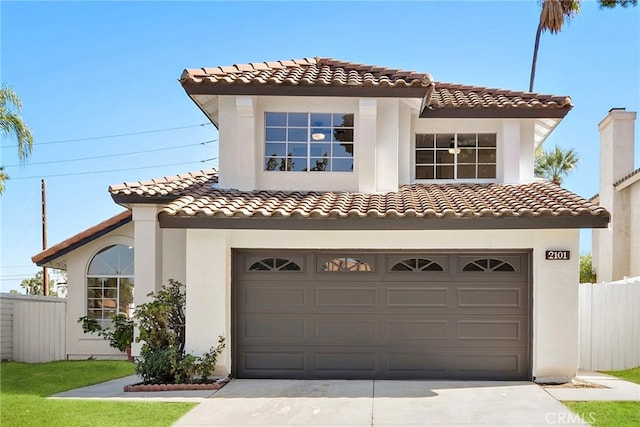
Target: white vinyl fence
(610, 325)
(32, 328)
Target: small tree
(35, 285)
(587, 275)
(120, 336)
(161, 324)
(555, 164)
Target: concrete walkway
(616, 389)
(374, 403)
(113, 390)
(379, 403)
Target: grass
(619, 414)
(632, 375)
(23, 388)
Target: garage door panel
(346, 297)
(277, 297)
(405, 323)
(414, 331)
(273, 361)
(417, 297)
(336, 329)
(479, 296)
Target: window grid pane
(110, 283)
(309, 142)
(455, 156)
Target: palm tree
(12, 124)
(553, 165)
(3, 178)
(553, 14)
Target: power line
(113, 136)
(115, 155)
(110, 170)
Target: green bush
(587, 275)
(120, 337)
(161, 324)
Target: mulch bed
(176, 387)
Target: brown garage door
(381, 315)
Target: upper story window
(308, 142)
(456, 156)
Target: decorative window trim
(489, 264)
(275, 263)
(309, 142)
(416, 264)
(454, 156)
(345, 264)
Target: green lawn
(23, 388)
(619, 414)
(632, 375)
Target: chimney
(611, 245)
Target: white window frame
(309, 141)
(415, 164)
(105, 321)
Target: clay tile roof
(315, 76)
(326, 71)
(82, 238)
(431, 201)
(163, 189)
(627, 177)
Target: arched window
(274, 264)
(346, 264)
(488, 264)
(110, 283)
(417, 264)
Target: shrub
(120, 337)
(161, 323)
(587, 275)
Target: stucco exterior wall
(78, 344)
(634, 229)
(384, 143)
(615, 250)
(555, 283)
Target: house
(365, 222)
(616, 250)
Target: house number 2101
(557, 255)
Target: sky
(100, 91)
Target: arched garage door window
(110, 283)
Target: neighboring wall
(610, 325)
(33, 328)
(616, 250)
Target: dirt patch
(176, 387)
(573, 384)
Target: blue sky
(95, 69)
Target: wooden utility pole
(45, 275)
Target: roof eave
(496, 113)
(70, 244)
(386, 223)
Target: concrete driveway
(379, 403)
